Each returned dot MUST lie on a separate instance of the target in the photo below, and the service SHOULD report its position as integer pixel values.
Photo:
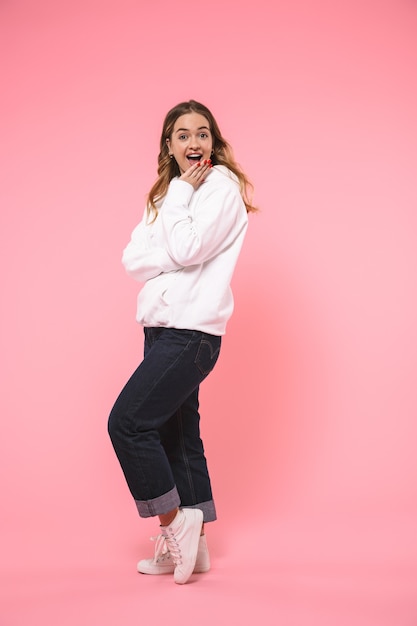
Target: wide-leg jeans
(154, 425)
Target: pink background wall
(309, 419)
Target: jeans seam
(184, 454)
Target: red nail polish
(199, 163)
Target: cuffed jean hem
(208, 508)
(160, 505)
(169, 501)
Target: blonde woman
(184, 251)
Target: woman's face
(191, 140)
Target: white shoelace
(174, 549)
(161, 548)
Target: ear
(168, 143)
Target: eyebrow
(187, 129)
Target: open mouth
(194, 158)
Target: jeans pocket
(207, 353)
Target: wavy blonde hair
(168, 168)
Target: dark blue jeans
(154, 425)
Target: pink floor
(337, 572)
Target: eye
(182, 137)
(203, 135)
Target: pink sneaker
(182, 538)
(162, 562)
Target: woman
(184, 250)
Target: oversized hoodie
(186, 256)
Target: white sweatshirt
(186, 257)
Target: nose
(195, 142)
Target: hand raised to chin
(196, 174)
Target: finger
(207, 165)
(194, 169)
(204, 167)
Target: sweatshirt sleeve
(219, 217)
(142, 259)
